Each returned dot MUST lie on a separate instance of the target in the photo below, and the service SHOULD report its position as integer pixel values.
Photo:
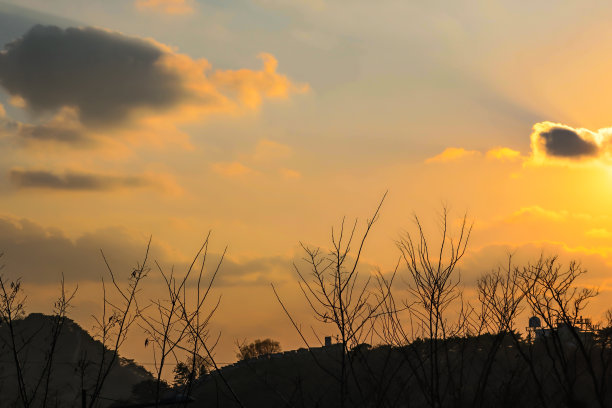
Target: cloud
(550, 143)
(63, 128)
(268, 159)
(40, 255)
(503, 154)
(172, 7)
(48, 132)
(537, 212)
(101, 73)
(18, 102)
(453, 154)
(482, 260)
(74, 181)
(257, 271)
(557, 141)
(252, 86)
(598, 233)
(119, 86)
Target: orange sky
(267, 121)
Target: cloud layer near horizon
(80, 260)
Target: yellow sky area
(567, 76)
(553, 209)
(283, 206)
(265, 163)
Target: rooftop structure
(581, 327)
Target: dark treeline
(408, 338)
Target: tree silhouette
(257, 348)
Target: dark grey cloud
(258, 271)
(41, 255)
(51, 133)
(566, 143)
(104, 75)
(61, 130)
(73, 181)
(481, 261)
(16, 20)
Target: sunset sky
(267, 121)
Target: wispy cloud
(453, 154)
(289, 174)
(75, 181)
(268, 150)
(503, 154)
(172, 7)
(602, 233)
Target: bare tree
(197, 321)
(12, 310)
(60, 310)
(339, 296)
(116, 319)
(12, 301)
(178, 324)
(500, 296)
(433, 286)
(604, 343)
(552, 293)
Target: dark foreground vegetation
(521, 374)
(432, 345)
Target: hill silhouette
(74, 364)
(384, 376)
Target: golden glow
(253, 153)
